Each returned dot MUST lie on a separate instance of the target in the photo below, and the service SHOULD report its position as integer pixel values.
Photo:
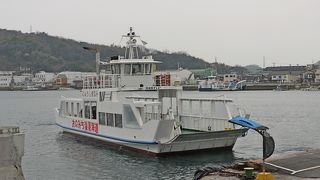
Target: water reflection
(111, 162)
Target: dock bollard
(248, 173)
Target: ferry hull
(182, 143)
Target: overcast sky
(235, 31)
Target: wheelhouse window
(137, 69)
(147, 69)
(127, 69)
(115, 69)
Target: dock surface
(302, 164)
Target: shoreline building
(69, 78)
(43, 77)
(317, 76)
(286, 73)
(6, 78)
(22, 79)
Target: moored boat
(117, 107)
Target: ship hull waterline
(184, 143)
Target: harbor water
(292, 116)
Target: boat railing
(141, 98)
(202, 123)
(205, 114)
(101, 81)
(151, 115)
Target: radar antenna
(131, 47)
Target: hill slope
(40, 51)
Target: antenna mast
(131, 48)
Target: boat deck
(190, 135)
(190, 131)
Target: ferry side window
(102, 118)
(118, 120)
(87, 109)
(67, 109)
(79, 112)
(110, 119)
(72, 109)
(94, 110)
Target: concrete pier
(287, 166)
(11, 152)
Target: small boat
(30, 88)
(214, 85)
(119, 108)
(279, 87)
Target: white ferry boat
(118, 108)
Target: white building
(230, 77)
(23, 78)
(5, 79)
(75, 76)
(317, 76)
(44, 77)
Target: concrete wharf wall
(11, 152)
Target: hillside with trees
(40, 51)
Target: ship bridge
(128, 71)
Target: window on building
(110, 121)
(102, 118)
(118, 120)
